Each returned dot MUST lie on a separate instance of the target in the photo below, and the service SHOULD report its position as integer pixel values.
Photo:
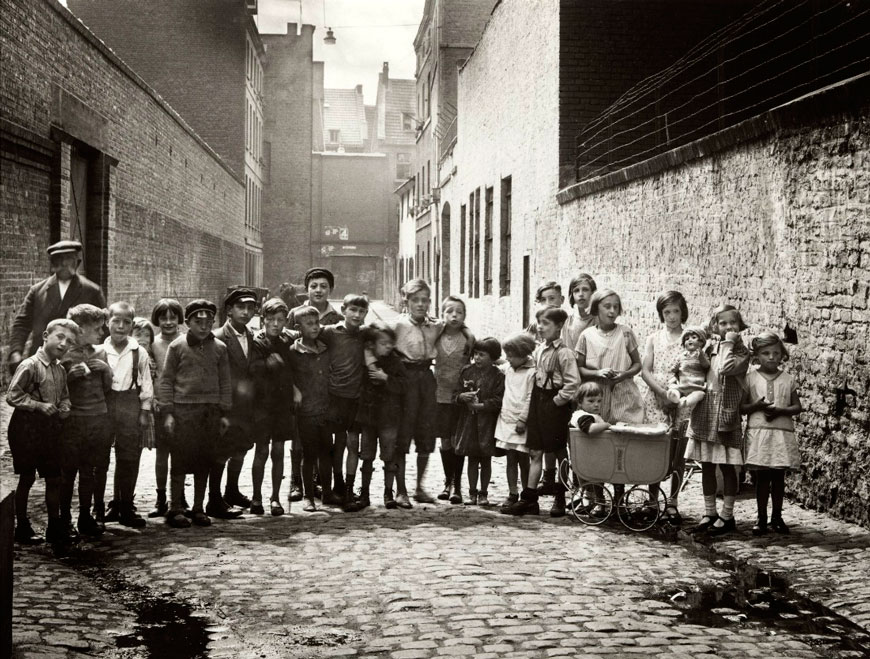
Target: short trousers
(314, 434)
(371, 436)
(124, 407)
(419, 408)
(547, 427)
(445, 424)
(86, 443)
(275, 428)
(237, 439)
(34, 441)
(194, 445)
(342, 414)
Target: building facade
(209, 66)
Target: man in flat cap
(51, 298)
(246, 363)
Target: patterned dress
(574, 326)
(621, 402)
(665, 354)
(771, 444)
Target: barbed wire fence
(775, 53)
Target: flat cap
(64, 247)
(240, 294)
(197, 307)
(317, 273)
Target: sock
(728, 507)
(710, 505)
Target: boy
(246, 363)
(195, 394)
(347, 369)
(309, 361)
(319, 283)
(167, 315)
(557, 380)
(86, 446)
(39, 394)
(279, 425)
(129, 405)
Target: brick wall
(609, 45)
(288, 109)
(192, 53)
(171, 213)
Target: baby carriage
(635, 456)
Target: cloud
(363, 43)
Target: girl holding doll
(714, 429)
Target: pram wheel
(591, 504)
(639, 510)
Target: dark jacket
(246, 375)
(42, 304)
(475, 431)
(276, 385)
(381, 402)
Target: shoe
(456, 497)
(704, 526)
(318, 492)
(548, 483)
(338, 494)
(71, 531)
(403, 502)
(472, 498)
(444, 495)
(100, 516)
(200, 518)
(177, 520)
(760, 528)
(483, 500)
(779, 526)
(112, 512)
(558, 507)
(87, 525)
(276, 508)
(364, 500)
(511, 499)
(256, 507)
(389, 501)
(522, 507)
(236, 498)
(672, 516)
(329, 499)
(422, 496)
(56, 532)
(25, 535)
(128, 516)
(728, 525)
(160, 507)
(352, 506)
(309, 506)
(217, 507)
(295, 493)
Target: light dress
(771, 444)
(665, 355)
(515, 406)
(621, 402)
(574, 326)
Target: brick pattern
(174, 213)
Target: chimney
(359, 89)
(386, 75)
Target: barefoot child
(39, 394)
(479, 395)
(714, 430)
(510, 431)
(771, 447)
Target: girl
(480, 394)
(608, 354)
(580, 292)
(661, 351)
(714, 430)
(453, 353)
(510, 431)
(771, 447)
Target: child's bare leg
(523, 462)
(473, 464)
(258, 469)
(200, 483)
(512, 471)
(340, 441)
(536, 463)
(161, 468)
(400, 474)
(352, 460)
(708, 487)
(389, 474)
(422, 463)
(277, 456)
(22, 493)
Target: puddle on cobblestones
(755, 599)
(166, 627)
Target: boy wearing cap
(319, 283)
(51, 298)
(247, 365)
(195, 395)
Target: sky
(367, 32)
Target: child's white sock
(710, 505)
(728, 507)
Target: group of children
(342, 391)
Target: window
(334, 135)
(463, 238)
(428, 176)
(504, 268)
(476, 197)
(403, 165)
(487, 244)
(408, 123)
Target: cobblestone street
(440, 580)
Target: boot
(219, 508)
(161, 507)
(25, 535)
(548, 483)
(558, 507)
(351, 504)
(364, 501)
(527, 505)
(87, 525)
(112, 512)
(100, 516)
(295, 488)
(127, 516)
(56, 532)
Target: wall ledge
(848, 95)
